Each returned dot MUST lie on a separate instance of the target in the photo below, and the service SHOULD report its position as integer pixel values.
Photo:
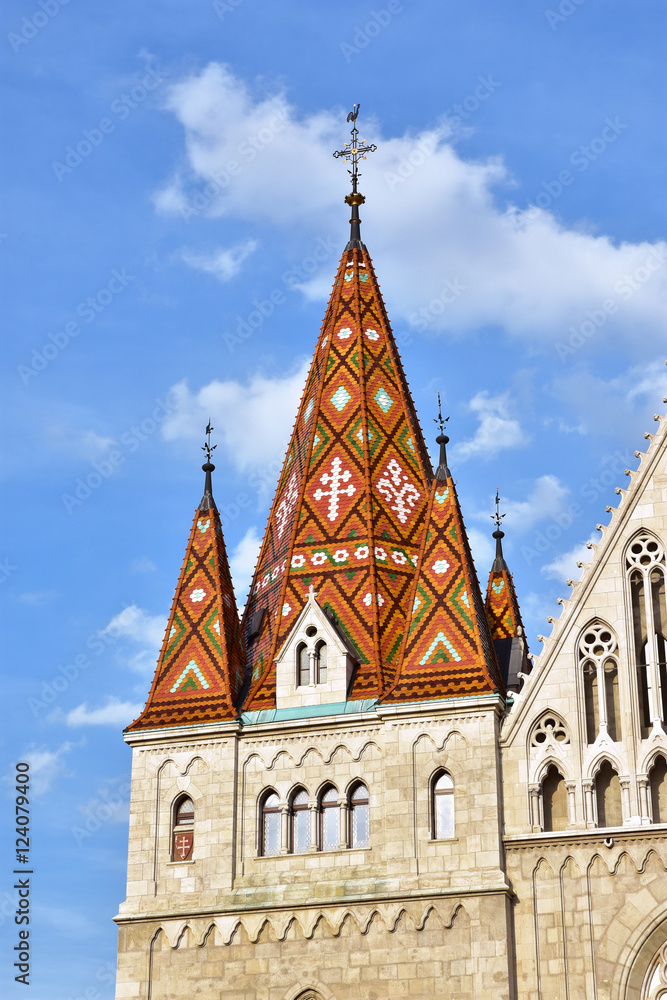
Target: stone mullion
(644, 804)
(588, 802)
(535, 817)
(651, 664)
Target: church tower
(315, 807)
(366, 789)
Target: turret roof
(201, 667)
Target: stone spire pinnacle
(352, 152)
(503, 614)
(201, 667)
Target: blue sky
(172, 225)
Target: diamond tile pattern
(349, 510)
(502, 606)
(201, 666)
(447, 650)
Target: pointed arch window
(329, 819)
(443, 806)
(182, 838)
(554, 800)
(302, 665)
(658, 786)
(645, 566)
(299, 822)
(359, 817)
(608, 796)
(270, 839)
(598, 649)
(321, 663)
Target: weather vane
(439, 419)
(354, 150)
(206, 447)
(497, 517)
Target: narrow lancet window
(554, 800)
(300, 822)
(658, 784)
(608, 796)
(443, 807)
(359, 819)
(183, 830)
(270, 838)
(329, 820)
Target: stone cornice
(587, 838)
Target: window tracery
(598, 649)
(549, 728)
(655, 983)
(645, 567)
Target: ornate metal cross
(439, 419)
(354, 150)
(497, 517)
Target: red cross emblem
(183, 845)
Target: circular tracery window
(597, 641)
(645, 551)
(550, 727)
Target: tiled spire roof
(201, 666)
(447, 651)
(348, 514)
(502, 607)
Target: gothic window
(554, 800)
(658, 786)
(655, 982)
(549, 727)
(359, 818)
(270, 825)
(608, 796)
(299, 822)
(329, 820)
(302, 665)
(443, 806)
(182, 839)
(597, 650)
(645, 564)
(321, 663)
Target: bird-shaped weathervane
(354, 150)
(207, 448)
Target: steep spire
(503, 614)
(447, 651)
(201, 666)
(348, 513)
(352, 152)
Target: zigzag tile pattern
(447, 651)
(502, 606)
(348, 514)
(201, 666)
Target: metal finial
(439, 419)
(497, 517)
(206, 447)
(207, 502)
(352, 152)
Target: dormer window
(311, 661)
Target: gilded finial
(352, 152)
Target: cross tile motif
(286, 505)
(336, 477)
(395, 486)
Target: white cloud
(113, 713)
(142, 565)
(483, 552)
(252, 420)
(137, 626)
(564, 567)
(222, 264)
(46, 766)
(242, 563)
(517, 266)
(546, 499)
(497, 430)
(37, 598)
